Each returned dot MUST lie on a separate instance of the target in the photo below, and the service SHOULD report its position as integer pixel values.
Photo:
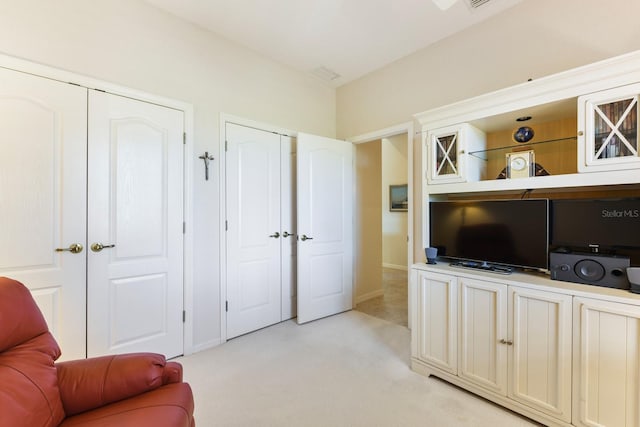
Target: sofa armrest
(90, 383)
(172, 373)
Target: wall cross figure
(206, 157)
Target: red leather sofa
(140, 389)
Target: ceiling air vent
(474, 4)
(325, 74)
(446, 4)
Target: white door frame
(400, 129)
(224, 119)
(91, 83)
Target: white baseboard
(369, 295)
(203, 346)
(395, 266)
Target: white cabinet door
(135, 178)
(43, 127)
(540, 354)
(482, 357)
(606, 363)
(325, 227)
(448, 151)
(253, 200)
(436, 328)
(608, 121)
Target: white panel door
(483, 316)
(135, 211)
(43, 198)
(325, 226)
(288, 225)
(253, 229)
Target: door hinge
(184, 316)
(184, 138)
(226, 226)
(226, 306)
(226, 145)
(184, 227)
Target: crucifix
(206, 157)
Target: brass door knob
(97, 247)
(74, 248)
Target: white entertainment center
(560, 353)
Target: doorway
(392, 305)
(287, 226)
(384, 226)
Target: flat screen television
(605, 223)
(512, 233)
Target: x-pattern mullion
(615, 128)
(446, 154)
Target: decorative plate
(523, 134)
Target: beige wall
(130, 43)
(394, 224)
(530, 40)
(368, 221)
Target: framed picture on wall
(398, 198)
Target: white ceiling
(349, 37)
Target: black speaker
(590, 269)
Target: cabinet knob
(580, 133)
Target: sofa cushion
(29, 393)
(20, 317)
(167, 406)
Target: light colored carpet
(346, 370)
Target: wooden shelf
(568, 182)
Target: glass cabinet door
(610, 124)
(615, 129)
(447, 149)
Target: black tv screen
(606, 223)
(505, 232)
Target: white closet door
(253, 229)
(325, 226)
(135, 203)
(288, 223)
(43, 198)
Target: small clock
(520, 164)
